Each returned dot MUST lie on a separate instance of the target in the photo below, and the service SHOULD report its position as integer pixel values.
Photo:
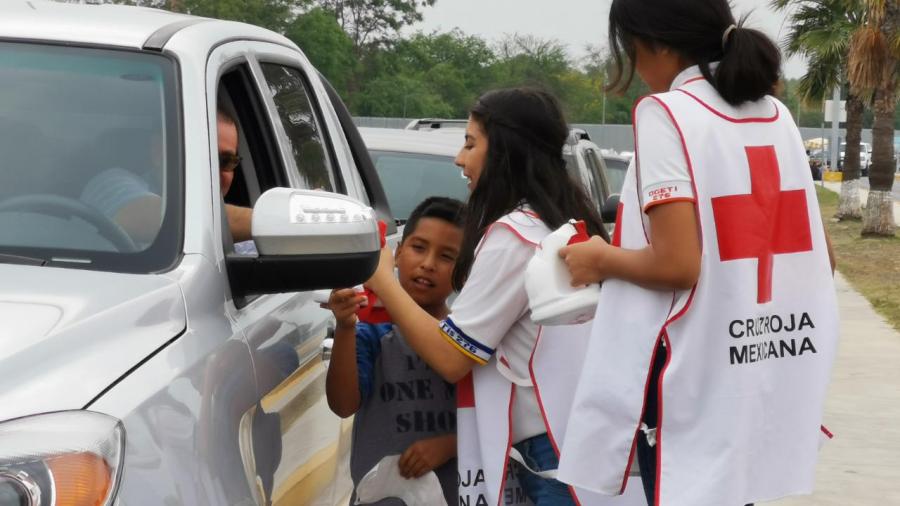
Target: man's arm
(141, 218)
(239, 219)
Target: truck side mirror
(307, 240)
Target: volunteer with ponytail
(717, 323)
(520, 191)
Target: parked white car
(170, 371)
(414, 165)
(587, 163)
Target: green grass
(871, 265)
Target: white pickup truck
(161, 367)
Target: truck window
(299, 117)
(90, 173)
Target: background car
(588, 164)
(616, 166)
(172, 371)
(414, 165)
(436, 124)
(865, 157)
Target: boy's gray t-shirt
(402, 401)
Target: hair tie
(726, 34)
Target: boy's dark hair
(443, 208)
(526, 131)
(700, 31)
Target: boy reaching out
(402, 407)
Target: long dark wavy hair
(526, 132)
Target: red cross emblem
(764, 223)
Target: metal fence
(618, 137)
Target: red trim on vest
(693, 80)
(729, 118)
(511, 229)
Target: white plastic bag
(384, 481)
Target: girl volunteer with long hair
(520, 191)
(716, 328)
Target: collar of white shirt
(688, 74)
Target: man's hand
(427, 455)
(344, 303)
(585, 260)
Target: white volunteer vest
(750, 347)
(484, 404)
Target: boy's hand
(585, 260)
(344, 303)
(427, 455)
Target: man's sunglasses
(228, 162)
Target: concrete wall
(618, 137)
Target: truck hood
(67, 334)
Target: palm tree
(821, 32)
(875, 71)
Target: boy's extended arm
(342, 380)
(427, 455)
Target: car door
(289, 438)
(308, 461)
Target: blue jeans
(539, 455)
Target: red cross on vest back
(764, 223)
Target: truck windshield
(89, 158)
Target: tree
(821, 33)
(875, 72)
(373, 22)
(400, 96)
(453, 65)
(531, 61)
(326, 45)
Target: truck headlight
(67, 458)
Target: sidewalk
(861, 465)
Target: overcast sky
(573, 22)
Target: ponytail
(702, 31)
(749, 68)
